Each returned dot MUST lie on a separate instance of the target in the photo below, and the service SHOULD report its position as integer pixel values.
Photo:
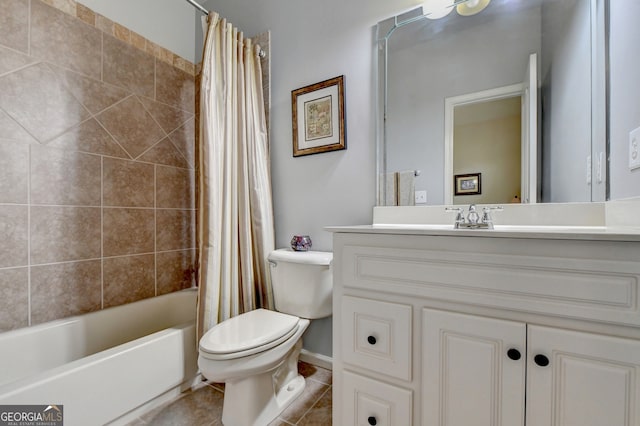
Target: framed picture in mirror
(318, 117)
(469, 184)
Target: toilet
(256, 353)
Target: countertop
(597, 233)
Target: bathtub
(105, 364)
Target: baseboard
(316, 359)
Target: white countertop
(599, 233)
(610, 221)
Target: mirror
(515, 94)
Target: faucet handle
(486, 215)
(459, 215)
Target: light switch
(421, 197)
(634, 149)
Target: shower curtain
(235, 214)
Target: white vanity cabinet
(476, 329)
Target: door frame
(450, 103)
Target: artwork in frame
(318, 117)
(469, 184)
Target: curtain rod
(198, 6)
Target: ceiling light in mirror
(471, 7)
(436, 9)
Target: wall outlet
(634, 149)
(421, 197)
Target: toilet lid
(250, 330)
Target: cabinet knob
(372, 421)
(541, 360)
(372, 341)
(514, 354)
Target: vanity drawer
(568, 279)
(370, 402)
(377, 335)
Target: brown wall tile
(175, 87)
(13, 236)
(36, 99)
(67, 6)
(128, 231)
(184, 138)
(14, 24)
(165, 152)
(12, 131)
(93, 94)
(176, 270)
(84, 197)
(131, 125)
(127, 183)
(60, 234)
(64, 178)
(138, 41)
(128, 278)
(11, 60)
(85, 14)
(168, 117)
(104, 24)
(65, 40)
(65, 289)
(175, 188)
(14, 172)
(14, 298)
(175, 229)
(128, 67)
(121, 33)
(89, 137)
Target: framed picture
(318, 117)
(469, 184)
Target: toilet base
(258, 399)
(244, 409)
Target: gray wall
(311, 42)
(566, 100)
(624, 96)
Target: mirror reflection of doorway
(487, 140)
(489, 146)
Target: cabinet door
(473, 370)
(582, 379)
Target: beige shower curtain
(235, 214)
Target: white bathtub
(103, 365)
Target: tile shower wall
(96, 164)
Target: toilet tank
(302, 282)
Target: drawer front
(572, 287)
(369, 402)
(377, 335)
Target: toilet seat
(247, 334)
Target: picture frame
(318, 117)
(468, 184)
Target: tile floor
(203, 405)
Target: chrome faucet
(459, 221)
(473, 220)
(473, 217)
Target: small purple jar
(301, 243)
